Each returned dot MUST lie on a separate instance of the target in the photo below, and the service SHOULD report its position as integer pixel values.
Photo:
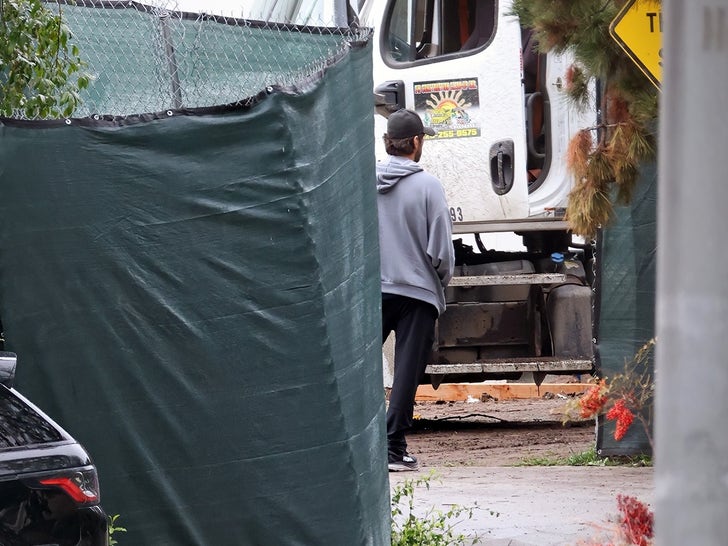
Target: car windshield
(21, 426)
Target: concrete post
(692, 278)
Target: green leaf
(37, 57)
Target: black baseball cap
(405, 124)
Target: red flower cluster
(637, 520)
(594, 399)
(624, 418)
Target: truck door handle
(389, 97)
(501, 166)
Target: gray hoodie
(415, 232)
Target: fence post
(171, 59)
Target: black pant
(413, 322)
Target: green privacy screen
(194, 295)
(627, 313)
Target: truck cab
(503, 127)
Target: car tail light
(81, 485)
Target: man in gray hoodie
(417, 260)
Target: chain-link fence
(150, 58)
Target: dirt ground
(496, 433)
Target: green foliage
(582, 27)
(587, 458)
(114, 528)
(41, 71)
(437, 528)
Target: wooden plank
(453, 392)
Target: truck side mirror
(389, 97)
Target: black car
(49, 489)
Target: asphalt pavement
(536, 506)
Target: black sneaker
(403, 464)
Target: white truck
(503, 127)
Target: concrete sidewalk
(537, 506)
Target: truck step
(508, 279)
(514, 365)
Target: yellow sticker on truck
(449, 107)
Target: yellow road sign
(637, 28)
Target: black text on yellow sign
(637, 28)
